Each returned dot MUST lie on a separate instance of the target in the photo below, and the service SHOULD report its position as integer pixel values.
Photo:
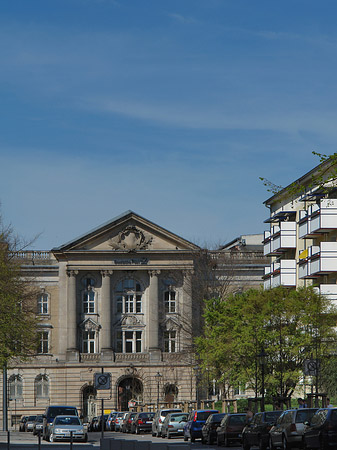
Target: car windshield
(164, 413)
(272, 416)
(67, 421)
(217, 417)
(179, 418)
(59, 411)
(304, 415)
(202, 415)
(39, 419)
(31, 418)
(237, 420)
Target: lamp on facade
(262, 360)
(158, 377)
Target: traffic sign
(102, 381)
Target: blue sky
(172, 109)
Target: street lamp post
(197, 376)
(262, 359)
(158, 376)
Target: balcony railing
(279, 273)
(280, 238)
(318, 218)
(318, 260)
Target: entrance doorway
(129, 389)
(89, 403)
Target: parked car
(63, 426)
(230, 429)
(127, 422)
(256, 432)
(110, 424)
(208, 431)
(50, 414)
(102, 422)
(119, 419)
(321, 431)
(38, 425)
(22, 423)
(30, 423)
(195, 422)
(173, 425)
(142, 422)
(93, 424)
(159, 419)
(289, 428)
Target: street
(26, 441)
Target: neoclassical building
(117, 300)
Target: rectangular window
(119, 304)
(129, 342)
(43, 346)
(89, 342)
(88, 302)
(42, 304)
(170, 301)
(170, 341)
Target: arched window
(129, 296)
(41, 386)
(43, 303)
(15, 387)
(88, 296)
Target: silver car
(159, 419)
(64, 426)
(173, 425)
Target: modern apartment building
(301, 240)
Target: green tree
(18, 323)
(288, 325)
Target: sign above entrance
(102, 381)
(130, 261)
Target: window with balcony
(170, 341)
(43, 303)
(129, 341)
(128, 296)
(89, 341)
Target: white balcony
(318, 260)
(280, 238)
(280, 273)
(319, 218)
(329, 291)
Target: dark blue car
(321, 432)
(195, 422)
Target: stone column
(153, 316)
(105, 316)
(72, 350)
(190, 316)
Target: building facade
(120, 299)
(302, 235)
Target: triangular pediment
(89, 325)
(128, 233)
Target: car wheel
(185, 438)
(192, 439)
(137, 430)
(85, 438)
(262, 445)
(285, 444)
(271, 445)
(245, 445)
(209, 440)
(226, 442)
(158, 434)
(51, 437)
(218, 442)
(168, 435)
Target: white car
(64, 426)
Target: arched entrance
(89, 403)
(171, 393)
(129, 388)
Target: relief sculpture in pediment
(131, 239)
